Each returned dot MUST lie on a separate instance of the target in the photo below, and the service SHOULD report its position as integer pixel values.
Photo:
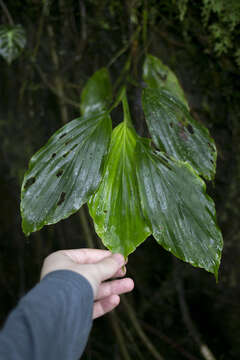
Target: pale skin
(100, 268)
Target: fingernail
(119, 259)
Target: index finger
(86, 256)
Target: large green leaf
(158, 76)
(181, 215)
(174, 131)
(12, 42)
(97, 93)
(115, 207)
(65, 172)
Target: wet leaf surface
(159, 76)
(97, 93)
(115, 207)
(181, 214)
(174, 131)
(65, 172)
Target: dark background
(176, 311)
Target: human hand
(96, 266)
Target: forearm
(51, 322)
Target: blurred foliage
(221, 19)
(12, 42)
(66, 42)
(225, 29)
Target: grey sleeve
(51, 322)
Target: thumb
(107, 267)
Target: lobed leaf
(65, 172)
(12, 42)
(174, 131)
(115, 207)
(181, 214)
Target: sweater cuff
(72, 277)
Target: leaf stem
(7, 13)
(126, 111)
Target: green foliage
(182, 6)
(181, 215)
(116, 208)
(223, 28)
(12, 42)
(222, 37)
(97, 94)
(174, 131)
(159, 76)
(133, 191)
(172, 128)
(222, 19)
(228, 12)
(65, 172)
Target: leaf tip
(25, 229)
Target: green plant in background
(12, 41)
(134, 186)
(221, 19)
(226, 15)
